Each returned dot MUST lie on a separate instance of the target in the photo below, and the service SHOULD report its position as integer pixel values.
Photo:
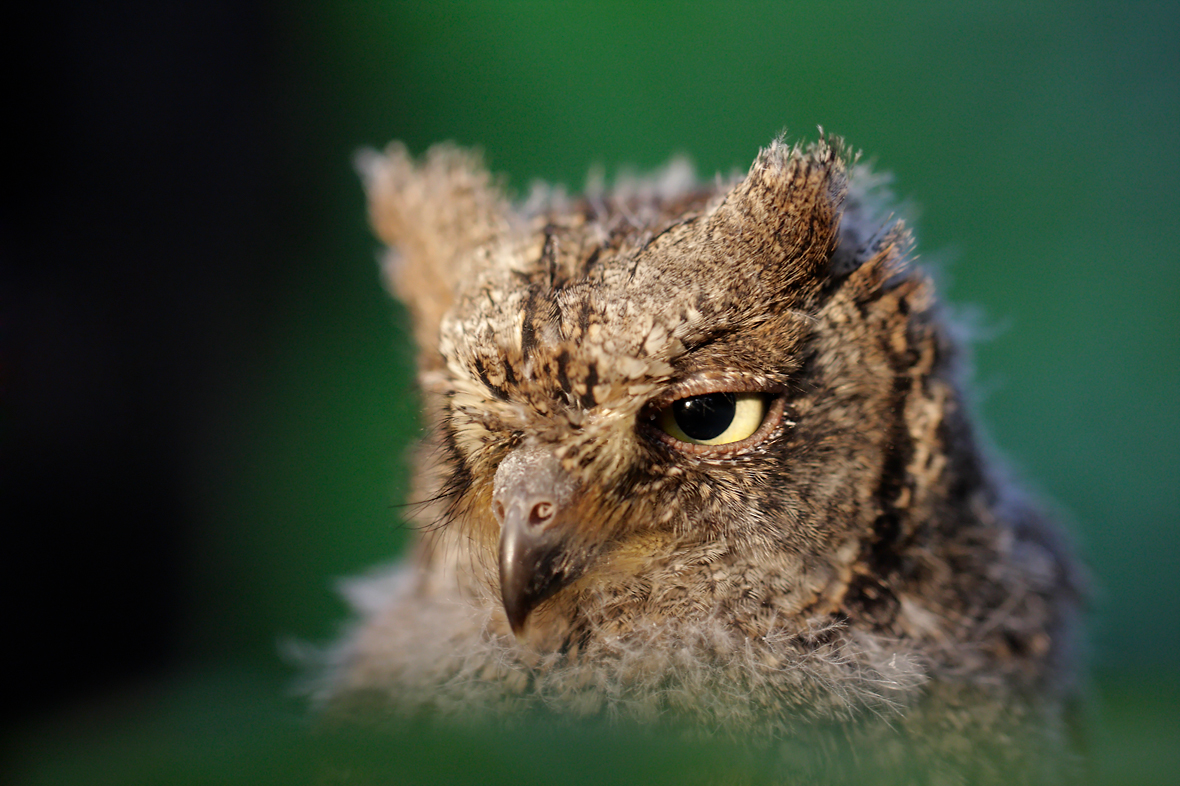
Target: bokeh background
(206, 394)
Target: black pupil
(705, 417)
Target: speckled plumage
(856, 557)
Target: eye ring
(659, 419)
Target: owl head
(669, 401)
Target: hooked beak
(531, 501)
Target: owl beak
(531, 568)
(531, 499)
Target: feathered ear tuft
(439, 217)
(787, 210)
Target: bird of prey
(701, 451)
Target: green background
(1036, 142)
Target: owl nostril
(541, 513)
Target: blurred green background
(214, 357)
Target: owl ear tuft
(433, 214)
(786, 212)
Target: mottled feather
(855, 557)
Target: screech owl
(700, 450)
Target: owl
(700, 451)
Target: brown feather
(857, 556)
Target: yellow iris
(713, 418)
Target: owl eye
(713, 418)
